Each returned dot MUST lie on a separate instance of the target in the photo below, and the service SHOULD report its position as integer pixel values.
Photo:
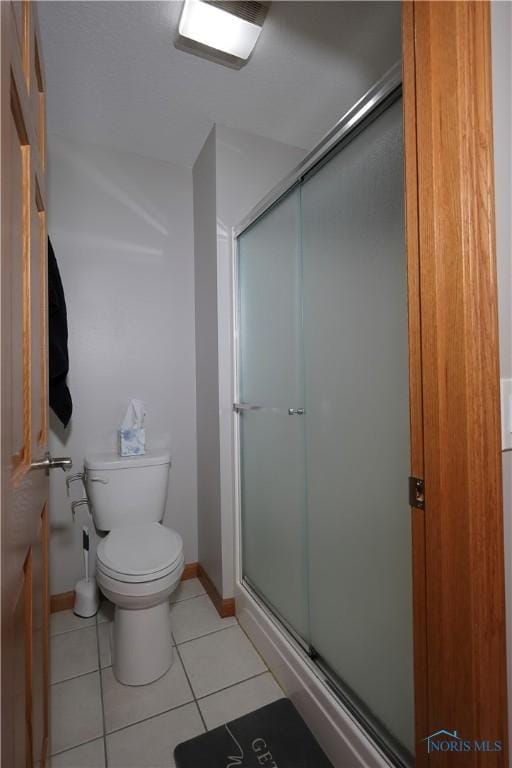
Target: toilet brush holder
(87, 599)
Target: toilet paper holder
(78, 503)
(72, 478)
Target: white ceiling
(115, 78)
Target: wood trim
(24, 40)
(463, 676)
(27, 329)
(28, 586)
(21, 459)
(45, 551)
(415, 380)
(64, 601)
(224, 606)
(190, 571)
(44, 751)
(42, 436)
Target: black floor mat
(274, 736)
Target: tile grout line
(190, 684)
(95, 738)
(266, 671)
(194, 700)
(69, 631)
(255, 648)
(185, 704)
(82, 674)
(149, 717)
(184, 599)
(53, 638)
(70, 749)
(269, 670)
(101, 695)
(181, 706)
(207, 634)
(233, 685)
(184, 642)
(108, 666)
(96, 623)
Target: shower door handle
(240, 407)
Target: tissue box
(132, 442)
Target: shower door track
(375, 100)
(394, 751)
(267, 605)
(388, 745)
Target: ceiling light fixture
(225, 32)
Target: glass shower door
(357, 425)
(271, 426)
(324, 422)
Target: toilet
(139, 562)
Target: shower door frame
(368, 108)
(457, 540)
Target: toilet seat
(140, 553)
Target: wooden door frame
(458, 545)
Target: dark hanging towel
(60, 397)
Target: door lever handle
(48, 462)
(296, 411)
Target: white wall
(207, 386)
(501, 16)
(233, 172)
(122, 230)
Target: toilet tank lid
(111, 460)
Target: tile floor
(96, 722)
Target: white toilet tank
(127, 490)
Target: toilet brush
(86, 591)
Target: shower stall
(323, 416)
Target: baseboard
(65, 601)
(225, 607)
(62, 602)
(191, 571)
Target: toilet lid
(141, 550)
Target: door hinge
(416, 492)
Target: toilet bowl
(138, 563)
(137, 569)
